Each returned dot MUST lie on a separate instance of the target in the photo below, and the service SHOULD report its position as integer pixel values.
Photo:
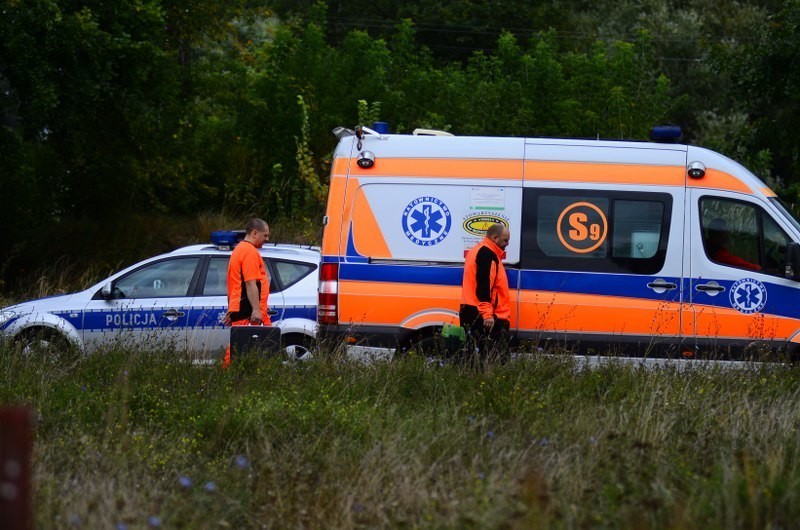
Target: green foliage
(305, 160)
(156, 106)
(368, 113)
(538, 443)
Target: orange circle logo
(582, 227)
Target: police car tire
(298, 347)
(43, 339)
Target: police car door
(738, 294)
(206, 333)
(147, 307)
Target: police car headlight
(5, 316)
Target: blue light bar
(227, 238)
(380, 127)
(667, 134)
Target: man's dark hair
(495, 230)
(255, 224)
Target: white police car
(174, 300)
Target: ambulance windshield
(786, 211)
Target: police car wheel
(298, 347)
(45, 341)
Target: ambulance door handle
(661, 286)
(711, 288)
(272, 312)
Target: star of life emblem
(748, 295)
(426, 221)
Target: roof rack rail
(431, 132)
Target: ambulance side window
(595, 231)
(742, 235)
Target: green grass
(125, 435)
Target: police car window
(291, 272)
(595, 231)
(216, 280)
(158, 280)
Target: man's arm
(483, 286)
(252, 296)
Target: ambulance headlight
(366, 159)
(697, 170)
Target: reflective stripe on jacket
(485, 284)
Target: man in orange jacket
(248, 285)
(485, 306)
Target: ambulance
(617, 247)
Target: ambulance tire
(46, 341)
(299, 347)
(427, 344)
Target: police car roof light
(227, 238)
(668, 134)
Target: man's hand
(488, 323)
(226, 319)
(255, 318)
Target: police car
(173, 300)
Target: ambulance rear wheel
(47, 342)
(428, 345)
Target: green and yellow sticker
(478, 224)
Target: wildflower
(122, 526)
(185, 482)
(154, 521)
(241, 462)
(593, 440)
(481, 476)
(490, 434)
(358, 507)
(75, 520)
(210, 486)
(544, 441)
(470, 418)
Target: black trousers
(488, 343)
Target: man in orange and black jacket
(485, 306)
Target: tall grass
(128, 436)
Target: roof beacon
(666, 134)
(226, 239)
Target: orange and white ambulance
(615, 245)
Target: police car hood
(59, 302)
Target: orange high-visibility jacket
(246, 264)
(485, 282)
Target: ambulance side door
(602, 266)
(738, 294)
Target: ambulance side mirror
(793, 261)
